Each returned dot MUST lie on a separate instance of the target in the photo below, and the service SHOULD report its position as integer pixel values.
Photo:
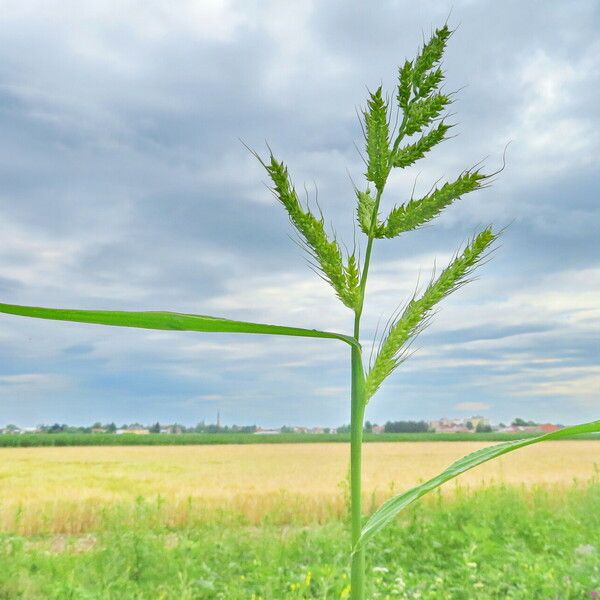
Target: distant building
(171, 429)
(479, 421)
(469, 425)
(549, 427)
(445, 425)
(524, 428)
(378, 429)
(539, 428)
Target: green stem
(365, 269)
(359, 401)
(356, 430)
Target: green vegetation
(26, 440)
(406, 427)
(496, 543)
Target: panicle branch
(327, 253)
(418, 82)
(419, 211)
(377, 140)
(421, 113)
(430, 56)
(415, 315)
(411, 153)
(421, 103)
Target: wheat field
(81, 489)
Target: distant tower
(218, 421)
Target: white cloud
(26, 379)
(586, 388)
(580, 382)
(216, 20)
(554, 130)
(23, 385)
(332, 391)
(286, 298)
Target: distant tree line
(202, 427)
(518, 422)
(406, 427)
(62, 428)
(154, 428)
(482, 428)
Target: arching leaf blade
(389, 509)
(167, 321)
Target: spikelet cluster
(430, 55)
(421, 104)
(404, 84)
(411, 153)
(418, 82)
(421, 113)
(366, 214)
(377, 139)
(430, 82)
(326, 252)
(352, 273)
(418, 211)
(417, 310)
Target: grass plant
(399, 130)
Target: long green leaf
(167, 321)
(389, 509)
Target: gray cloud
(125, 185)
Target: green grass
(496, 543)
(107, 439)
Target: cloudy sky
(125, 185)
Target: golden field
(80, 489)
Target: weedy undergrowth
(399, 130)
